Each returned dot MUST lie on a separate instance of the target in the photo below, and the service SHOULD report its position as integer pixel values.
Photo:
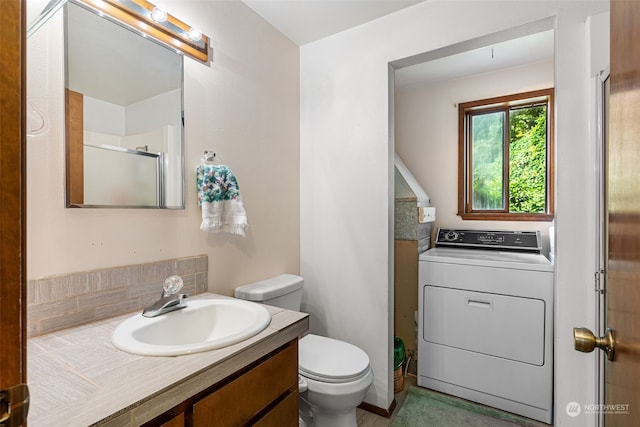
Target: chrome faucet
(170, 299)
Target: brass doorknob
(585, 341)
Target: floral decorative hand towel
(219, 197)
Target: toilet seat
(329, 360)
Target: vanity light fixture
(154, 22)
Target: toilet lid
(329, 360)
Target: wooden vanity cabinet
(263, 394)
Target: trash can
(398, 362)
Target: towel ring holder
(208, 158)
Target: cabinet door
(283, 415)
(245, 397)
(177, 421)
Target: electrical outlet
(426, 214)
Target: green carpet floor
(422, 407)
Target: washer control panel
(528, 241)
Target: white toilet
(334, 375)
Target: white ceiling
(305, 21)
(511, 53)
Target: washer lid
(488, 258)
(329, 360)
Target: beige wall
(427, 135)
(244, 106)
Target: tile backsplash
(73, 299)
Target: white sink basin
(204, 325)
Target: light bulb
(158, 15)
(195, 34)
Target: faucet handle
(172, 285)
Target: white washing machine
(485, 330)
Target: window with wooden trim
(505, 157)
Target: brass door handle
(14, 406)
(585, 341)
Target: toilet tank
(284, 291)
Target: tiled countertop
(78, 378)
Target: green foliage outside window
(527, 160)
(487, 151)
(505, 157)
